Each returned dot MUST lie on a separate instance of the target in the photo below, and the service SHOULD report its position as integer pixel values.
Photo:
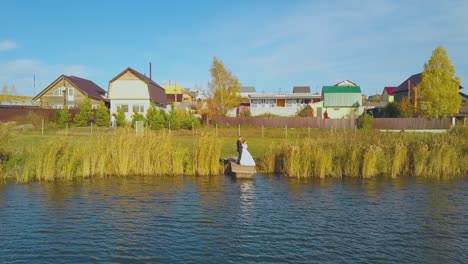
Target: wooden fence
(305, 122)
(412, 123)
(23, 114)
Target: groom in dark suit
(239, 149)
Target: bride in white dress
(246, 158)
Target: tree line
(155, 118)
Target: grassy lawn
(228, 136)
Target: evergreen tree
(120, 118)
(102, 116)
(137, 117)
(63, 117)
(439, 88)
(189, 120)
(173, 120)
(86, 113)
(155, 118)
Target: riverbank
(300, 153)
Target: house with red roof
(387, 94)
(134, 93)
(69, 92)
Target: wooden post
(262, 131)
(309, 131)
(42, 129)
(238, 133)
(91, 128)
(169, 127)
(286, 131)
(216, 129)
(67, 130)
(193, 130)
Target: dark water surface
(220, 220)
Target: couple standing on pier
(244, 157)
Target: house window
(59, 106)
(138, 108)
(124, 107)
(71, 92)
(58, 91)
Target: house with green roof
(341, 102)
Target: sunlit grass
(322, 153)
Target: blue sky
(272, 45)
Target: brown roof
(156, 92)
(87, 87)
(412, 81)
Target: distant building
(341, 102)
(134, 92)
(70, 91)
(387, 94)
(406, 88)
(245, 91)
(281, 104)
(177, 94)
(301, 89)
(345, 83)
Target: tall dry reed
(122, 154)
(370, 154)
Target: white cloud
(7, 45)
(338, 40)
(21, 72)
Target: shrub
(245, 113)
(306, 111)
(267, 115)
(365, 121)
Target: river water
(270, 219)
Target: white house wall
(145, 103)
(343, 112)
(281, 111)
(131, 93)
(128, 89)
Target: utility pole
(64, 93)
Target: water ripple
(213, 220)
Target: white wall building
(281, 104)
(133, 92)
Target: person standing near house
(239, 149)
(113, 121)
